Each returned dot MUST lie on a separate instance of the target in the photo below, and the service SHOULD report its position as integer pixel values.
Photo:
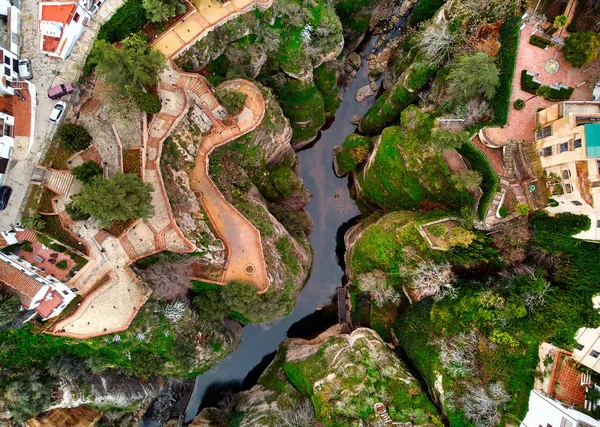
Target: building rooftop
(592, 139)
(24, 286)
(58, 12)
(51, 300)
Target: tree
(375, 282)
(87, 171)
(469, 180)
(561, 21)
(482, 406)
(436, 43)
(522, 209)
(446, 140)
(232, 101)
(33, 222)
(161, 10)
(145, 101)
(74, 137)
(435, 280)
(9, 307)
(581, 48)
(122, 197)
(29, 395)
(75, 213)
(136, 64)
(460, 237)
(62, 264)
(472, 76)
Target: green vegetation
(326, 76)
(437, 230)
(519, 104)
(522, 209)
(540, 42)
(503, 212)
(468, 179)
(145, 101)
(232, 100)
(446, 140)
(471, 76)
(136, 64)
(405, 174)
(9, 307)
(161, 10)
(354, 152)
(33, 222)
(581, 48)
(62, 264)
(122, 197)
(489, 182)
(424, 10)
(386, 110)
(528, 84)
(87, 171)
(420, 74)
(127, 20)
(74, 137)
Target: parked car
(25, 69)
(5, 193)
(57, 92)
(57, 112)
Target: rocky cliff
(336, 379)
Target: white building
(45, 294)
(546, 412)
(11, 36)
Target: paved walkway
(204, 18)
(521, 124)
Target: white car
(57, 112)
(25, 69)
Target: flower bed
(54, 230)
(118, 227)
(132, 162)
(46, 205)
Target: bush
(87, 171)
(553, 203)
(355, 150)
(56, 247)
(489, 181)
(27, 246)
(527, 83)
(232, 101)
(62, 264)
(74, 137)
(145, 101)
(519, 104)
(128, 19)
(437, 230)
(581, 48)
(509, 39)
(503, 212)
(540, 42)
(424, 10)
(561, 94)
(522, 209)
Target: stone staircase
(92, 154)
(129, 249)
(29, 235)
(59, 181)
(511, 151)
(65, 219)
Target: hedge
(527, 83)
(489, 181)
(540, 42)
(128, 19)
(561, 94)
(509, 38)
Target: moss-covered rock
(351, 154)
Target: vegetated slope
(335, 379)
(285, 47)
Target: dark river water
(332, 210)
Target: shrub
(62, 264)
(128, 19)
(522, 209)
(509, 39)
(145, 101)
(437, 230)
(56, 247)
(503, 212)
(540, 42)
(489, 181)
(232, 101)
(27, 246)
(87, 171)
(33, 222)
(519, 104)
(74, 137)
(553, 203)
(581, 48)
(527, 83)
(161, 10)
(424, 10)
(355, 150)
(561, 94)
(561, 21)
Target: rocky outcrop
(73, 417)
(336, 378)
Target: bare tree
(435, 280)
(477, 110)
(483, 406)
(300, 415)
(436, 44)
(375, 282)
(458, 355)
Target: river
(331, 209)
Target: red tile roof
(24, 286)
(51, 44)
(51, 300)
(58, 12)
